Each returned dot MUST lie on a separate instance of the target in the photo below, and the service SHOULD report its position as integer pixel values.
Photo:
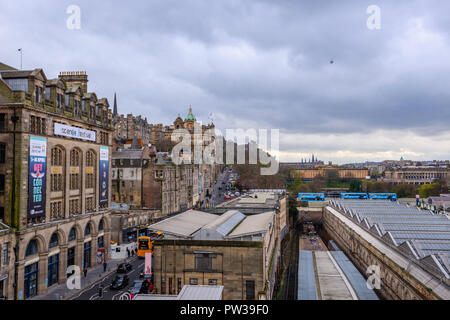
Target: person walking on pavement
(100, 290)
(104, 266)
(85, 272)
(128, 252)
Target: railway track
(292, 271)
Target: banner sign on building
(148, 263)
(104, 155)
(74, 132)
(36, 177)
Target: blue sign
(37, 177)
(104, 171)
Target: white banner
(73, 132)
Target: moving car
(124, 268)
(137, 287)
(119, 282)
(227, 197)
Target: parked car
(119, 282)
(227, 197)
(124, 268)
(137, 287)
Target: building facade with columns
(55, 155)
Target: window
(90, 204)
(193, 281)
(5, 253)
(2, 153)
(87, 231)
(38, 125)
(179, 284)
(89, 180)
(100, 242)
(2, 122)
(47, 93)
(56, 210)
(57, 157)
(2, 184)
(74, 206)
(90, 159)
(203, 262)
(74, 158)
(72, 235)
(53, 241)
(212, 282)
(2, 213)
(67, 100)
(31, 248)
(74, 181)
(56, 182)
(250, 289)
(100, 225)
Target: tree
(355, 185)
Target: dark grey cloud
(253, 63)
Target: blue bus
(353, 195)
(389, 196)
(311, 197)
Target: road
(217, 195)
(92, 292)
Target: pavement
(93, 278)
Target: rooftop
(199, 225)
(188, 292)
(330, 275)
(419, 235)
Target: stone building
(55, 143)
(416, 175)
(232, 250)
(128, 127)
(7, 243)
(323, 171)
(128, 224)
(126, 174)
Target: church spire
(115, 105)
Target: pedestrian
(104, 266)
(128, 252)
(100, 291)
(85, 272)
(150, 287)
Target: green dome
(190, 116)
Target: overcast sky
(259, 64)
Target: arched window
(90, 158)
(31, 248)
(57, 158)
(87, 231)
(75, 158)
(53, 241)
(100, 225)
(72, 234)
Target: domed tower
(189, 120)
(178, 123)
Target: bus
(353, 195)
(311, 197)
(155, 235)
(144, 245)
(388, 196)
